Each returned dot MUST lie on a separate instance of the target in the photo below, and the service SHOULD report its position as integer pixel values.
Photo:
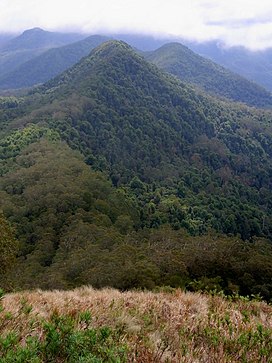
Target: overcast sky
(235, 22)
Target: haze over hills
(37, 69)
(254, 65)
(37, 38)
(212, 78)
(173, 57)
(158, 185)
(4, 38)
(49, 64)
(29, 44)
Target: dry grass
(156, 327)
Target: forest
(115, 173)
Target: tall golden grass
(156, 327)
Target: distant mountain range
(4, 38)
(30, 44)
(188, 66)
(50, 63)
(254, 65)
(116, 173)
(38, 38)
(173, 57)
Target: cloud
(235, 22)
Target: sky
(233, 22)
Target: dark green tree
(8, 245)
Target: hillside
(254, 65)
(131, 102)
(4, 38)
(212, 78)
(30, 44)
(158, 185)
(49, 64)
(37, 38)
(109, 326)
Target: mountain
(49, 64)
(115, 173)
(131, 120)
(38, 38)
(30, 44)
(212, 78)
(254, 65)
(4, 38)
(141, 41)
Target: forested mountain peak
(172, 159)
(102, 61)
(110, 46)
(190, 67)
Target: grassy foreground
(86, 325)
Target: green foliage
(50, 63)
(252, 64)
(209, 76)
(8, 245)
(220, 154)
(56, 202)
(15, 142)
(162, 169)
(64, 341)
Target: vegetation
(49, 64)
(98, 326)
(209, 76)
(30, 44)
(75, 228)
(253, 64)
(8, 246)
(132, 121)
(116, 174)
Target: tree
(8, 245)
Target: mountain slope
(131, 120)
(214, 79)
(254, 65)
(4, 38)
(30, 44)
(37, 38)
(184, 170)
(49, 64)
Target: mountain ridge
(119, 93)
(49, 64)
(36, 38)
(180, 61)
(116, 173)
(30, 44)
(172, 57)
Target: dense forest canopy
(117, 174)
(190, 67)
